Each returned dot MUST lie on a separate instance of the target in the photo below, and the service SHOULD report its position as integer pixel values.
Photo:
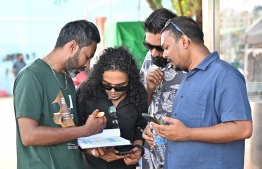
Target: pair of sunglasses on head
(159, 48)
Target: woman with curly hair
(114, 87)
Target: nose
(87, 64)
(156, 53)
(164, 54)
(112, 90)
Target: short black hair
(82, 31)
(189, 27)
(157, 19)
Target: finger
(147, 138)
(157, 73)
(111, 149)
(130, 160)
(104, 121)
(156, 77)
(155, 126)
(105, 149)
(100, 151)
(169, 120)
(95, 112)
(93, 151)
(148, 131)
(119, 156)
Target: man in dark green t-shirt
(44, 102)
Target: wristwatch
(141, 148)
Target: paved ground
(7, 132)
(8, 140)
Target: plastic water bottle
(159, 149)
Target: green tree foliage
(191, 8)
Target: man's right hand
(95, 125)
(153, 78)
(149, 136)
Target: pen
(141, 130)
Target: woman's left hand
(111, 155)
(134, 157)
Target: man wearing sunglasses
(160, 79)
(211, 116)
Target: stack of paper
(109, 137)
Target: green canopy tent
(130, 34)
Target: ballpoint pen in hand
(139, 128)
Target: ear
(185, 41)
(72, 47)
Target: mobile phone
(124, 152)
(151, 117)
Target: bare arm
(220, 133)
(34, 135)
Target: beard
(72, 67)
(179, 68)
(159, 61)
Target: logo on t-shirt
(63, 117)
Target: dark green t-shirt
(37, 95)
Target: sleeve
(28, 95)
(84, 104)
(140, 123)
(231, 100)
(80, 106)
(144, 68)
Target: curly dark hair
(117, 58)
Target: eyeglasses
(151, 47)
(175, 26)
(112, 113)
(116, 88)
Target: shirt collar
(207, 61)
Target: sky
(31, 27)
(240, 5)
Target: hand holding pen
(148, 136)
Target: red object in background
(3, 93)
(80, 77)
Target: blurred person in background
(18, 65)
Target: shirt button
(181, 96)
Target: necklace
(55, 75)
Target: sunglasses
(116, 88)
(112, 113)
(175, 26)
(151, 47)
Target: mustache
(159, 61)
